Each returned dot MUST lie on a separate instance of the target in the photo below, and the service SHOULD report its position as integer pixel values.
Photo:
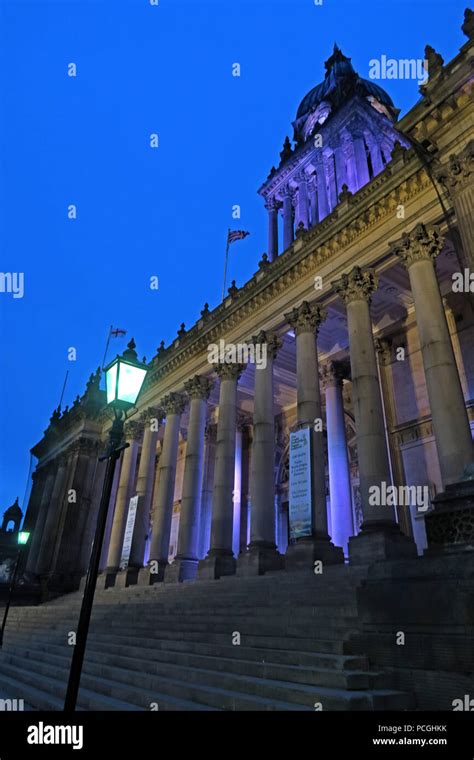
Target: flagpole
(64, 388)
(107, 346)
(225, 265)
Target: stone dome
(340, 83)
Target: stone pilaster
(173, 406)
(53, 500)
(418, 250)
(262, 555)
(303, 201)
(305, 321)
(220, 559)
(457, 176)
(288, 226)
(47, 478)
(342, 523)
(380, 536)
(185, 563)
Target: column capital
(272, 341)
(173, 403)
(421, 244)
(199, 387)
(455, 174)
(132, 430)
(333, 373)
(358, 285)
(272, 204)
(229, 371)
(152, 413)
(306, 318)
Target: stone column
(376, 156)
(220, 559)
(339, 474)
(305, 321)
(151, 420)
(313, 200)
(351, 169)
(323, 205)
(96, 495)
(360, 156)
(66, 562)
(54, 506)
(380, 536)
(303, 202)
(48, 475)
(288, 228)
(262, 555)
(457, 177)
(341, 172)
(185, 563)
(206, 496)
(237, 492)
(173, 406)
(272, 208)
(132, 432)
(331, 180)
(418, 250)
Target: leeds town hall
(298, 531)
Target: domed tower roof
(340, 83)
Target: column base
(306, 551)
(181, 570)
(216, 564)
(128, 577)
(377, 542)
(260, 558)
(450, 527)
(153, 573)
(109, 577)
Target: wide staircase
(277, 642)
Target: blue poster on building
(300, 483)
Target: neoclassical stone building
(368, 344)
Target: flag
(236, 235)
(117, 332)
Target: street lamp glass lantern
(23, 537)
(124, 378)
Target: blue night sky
(142, 212)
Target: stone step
(137, 687)
(156, 647)
(178, 665)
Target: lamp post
(23, 537)
(124, 378)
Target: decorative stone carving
(358, 285)
(333, 373)
(182, 331)
(228, 371)
(435, 62)
(152, 413)
(132, 430)
(205, 312)
(345, 194)
(306, 318)
(233, 290)
(173, 403)
(287, 151)
(264, 262)
(198, 387)
(271, 340)
(419, 244)
(468, 25)
(455, 175)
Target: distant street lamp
(124, 378)
(23, 537)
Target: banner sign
(127, 539)
(300, 483)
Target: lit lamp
(124, 378)
(22, 540)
